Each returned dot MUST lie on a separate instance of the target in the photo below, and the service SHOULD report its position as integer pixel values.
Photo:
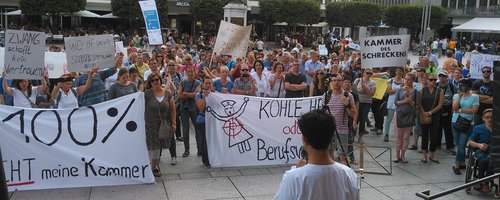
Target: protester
(276, 82)
(430, 101)
(223, 84)
(66, 96)
(480, 141)
(140, 66)
(159, 105)
(187, 93)
(96, 93)
(446, 111)
(319, 177)
(484, 89)
(465, 105)
(295, 82)
(244, 85)
(175, 77)
(133, 74)
(261, 79)
(23, 92)
(318, 86)
(366, 89)
(405, 117)
(201, 98)
(311, 66)
(392, 86)
(449, 61)
(153, 67)
(123, 86)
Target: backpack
(59, 96)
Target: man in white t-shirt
(260, 45)
(321, 177)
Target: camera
(328, 78)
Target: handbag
(428, 120)
(404, 120)
(165, 131)
(462, 124)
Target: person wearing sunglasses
(484, 89)
(318, 87)
(366, 89)
(244, 85)
(446, 111)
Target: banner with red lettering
(252, 131)
(98, 145)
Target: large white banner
(88, 52)
(150, 14)
(384, 51)
(251, 131)
(24, 51)
(478, 61)
(98, 145)
(232, 39)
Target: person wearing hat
(446, 111)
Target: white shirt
(20, 99)
(262, 84)
(335, 181)
(260, 45)
(149, 72)
(67, 100)
(110, 81)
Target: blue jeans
(460, 140)
(388, 120)
(185, 116)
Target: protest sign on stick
(478, 61)
(85, 53)
(232, 39)
(24, 54)
(150, 14)
(384, 51)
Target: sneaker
(386, 138)
(185, 154)
(379, 132)
(452, 152)
(174, 161)
(374, 129)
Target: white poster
(97, 145)
(478, 61)
(24, 51)
(56, 64)
(119, 48)
(2, 56)
(323, 51)
(252, 131)
(88, 52)
(384, 51)
(152, 21)
(232, 39)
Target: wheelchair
(472, 171)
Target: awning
(15, 12)
(321, 24)
(109, 16)
(479, 25)
(85, 13)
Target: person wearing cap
(446, 111)
(484, 89)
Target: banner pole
(211, 58)
(4, 192)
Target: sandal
(423, 160)
(413, 147)
(396, 160)
(185, 154)
(156, 173)
(456, 170)
(434, 160)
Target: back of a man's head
(318, 127)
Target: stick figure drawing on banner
(234, 128)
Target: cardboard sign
(88, 52)
(232, 39)
(252, 131)
(55, 63)
(478, 61)
(384, 51)
(98, 145)
(24, 54)
(323, 51)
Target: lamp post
(426, 19)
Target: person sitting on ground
(319, 177)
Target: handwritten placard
(56, 65)
(24, 54)
(88, 52)
(478, 61)
(384, 51)
(232, 39)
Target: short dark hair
(318, 127)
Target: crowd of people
(424, 100)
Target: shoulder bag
(462, 124)
(407, 119)
(428, 120)
(165, 133)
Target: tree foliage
(353, 14)
(207, 10)
(52, 7)
(295, 12)
(130, 9)
(410, 17)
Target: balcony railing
(491, 11)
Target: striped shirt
(96, 92)
(339, 112)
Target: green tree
(269, 13)
(130, 9)
(207, 11)
(353, 14)
(410, 17)
(51, 7)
